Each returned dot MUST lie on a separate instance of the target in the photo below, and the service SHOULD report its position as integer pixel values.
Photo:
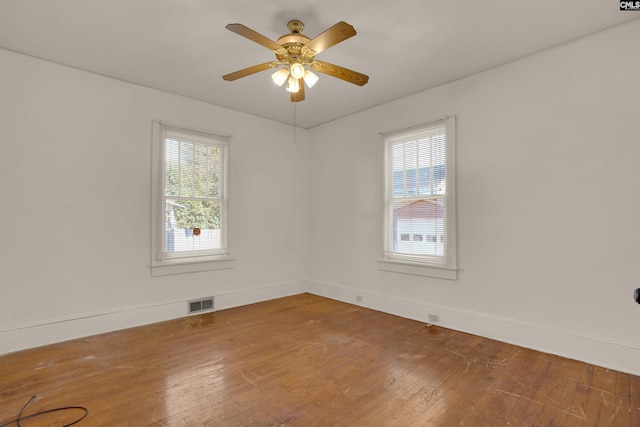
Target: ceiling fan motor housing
(293, 43)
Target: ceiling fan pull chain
(294, 122)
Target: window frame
(444, 266)
(163, 263)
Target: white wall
(75, 205)
(548, 203)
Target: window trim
(161, 264)
(424, 265)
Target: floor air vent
(205, 304)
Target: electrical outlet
(433, 318)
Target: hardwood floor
(307, 361)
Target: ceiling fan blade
(331, 37)
(299, 95)
(340, 72)
(247, 32)
(248, 71)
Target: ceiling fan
(295, 54)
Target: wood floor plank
(622, 399)
(305, 360)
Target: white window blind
(193, 194)
(419, 194)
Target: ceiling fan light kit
(295, 53)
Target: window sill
(417, 269)
(190, 265)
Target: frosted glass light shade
(297, 71)
(293, 86)
(280, 76)
(309, 78)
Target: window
(420, 198)
(190, 197)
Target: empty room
(319, 213)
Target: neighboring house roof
(420, 209)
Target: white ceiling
(405, 46)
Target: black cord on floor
(48, 411)
(22, 410)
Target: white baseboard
(20, 337)
(251, 296)
(596, 350)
